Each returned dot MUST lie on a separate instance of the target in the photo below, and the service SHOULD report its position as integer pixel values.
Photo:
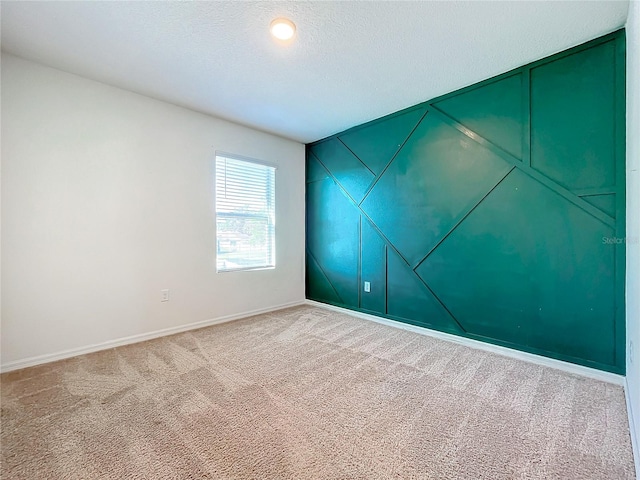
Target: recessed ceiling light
(282, 28)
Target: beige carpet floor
(307, 393)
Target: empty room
(320, 240)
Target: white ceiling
(351, 61)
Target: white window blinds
(245, 214)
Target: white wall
(633, 221)
(107, 199)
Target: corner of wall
(632, 383)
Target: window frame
(271, 219)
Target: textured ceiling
(351, 61)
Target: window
(245, 214)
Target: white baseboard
(505, 351)
(528, 357)
(633, 429)
(74, 352)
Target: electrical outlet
(164, 295)
(367, 287)
(631, 353)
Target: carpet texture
(307, 393)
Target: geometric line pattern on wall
(448, 185)
(462, 219)
(334, 247)
(347, 169)
(315, 171)
(350, 237)
(494, 111)
(605, 202)
(373, 261)
(448, 321)
(409, 298)
(575, 199)
(376, 143)
(539, 259)
(572, 134)
(424, 112)
(318, 284)
(462, 216)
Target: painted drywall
(495, 212)
(107, 198)
(633, 224)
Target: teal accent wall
(495, 212)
